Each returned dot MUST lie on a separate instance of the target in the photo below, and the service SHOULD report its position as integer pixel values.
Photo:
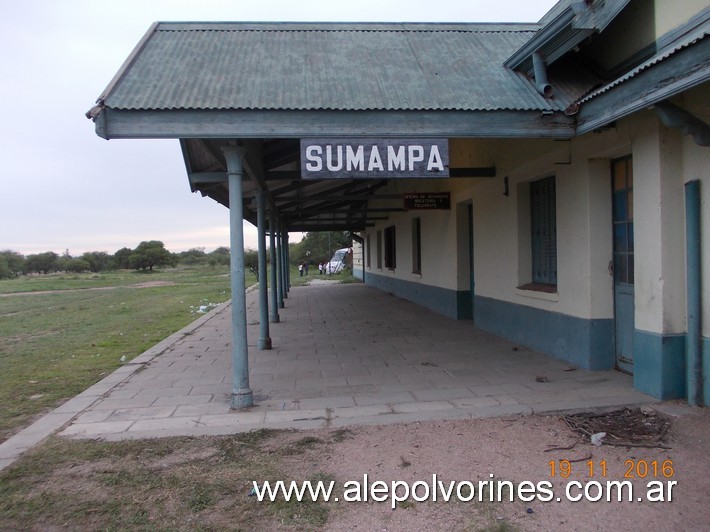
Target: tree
(192, 256)
(219, 256)
(77, 266)
(149, 254)
(121, 259)
(42, 262)
(251, 261)
(62, 263)
(13, 263)
(98, 261)
(5, 272)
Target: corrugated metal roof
(328, 66)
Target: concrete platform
(343, 355)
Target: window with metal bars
(543, 224)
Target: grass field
(163, 484)
(59, 334)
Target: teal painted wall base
(584, 343)
(448, 302)
(659, 364)
(706, 371)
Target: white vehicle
(338, 261)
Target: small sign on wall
(427, 200)
(374, 158)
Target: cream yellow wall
(584, 287)
(669, 14)
(663, 160)
(628, 34)
(438, 236)
(658, 226)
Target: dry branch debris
(624, 428)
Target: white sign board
(374, 158)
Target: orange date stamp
(632, 468)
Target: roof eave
(177, 124)
(680, 72)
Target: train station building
(547, 182)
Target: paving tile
(150, 412)
(475, 402)
(236, 418)
(182, 400)
(213, 407)
(123, 392)
(321, 382)
(380, 379)
(498, 411)
(75, 405)
(361, 411)
(164, 424)
(335, 391)
(327, 402)
(422, 406)
(112, 404)
(210, 389)
(93, 416)
(97, 429)
(485, 391)
(383, 398)
(436, 394)
(295, 415)
(153, 392)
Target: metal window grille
(544, 231)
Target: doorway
(623, 262)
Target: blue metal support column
(264, 338)
(284, 263)
(287, 281)
(693, 344)
(272, 252)
(279, 270)
(242, 396)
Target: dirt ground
(205, 483)
(515, 449)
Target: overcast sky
(62, 187)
